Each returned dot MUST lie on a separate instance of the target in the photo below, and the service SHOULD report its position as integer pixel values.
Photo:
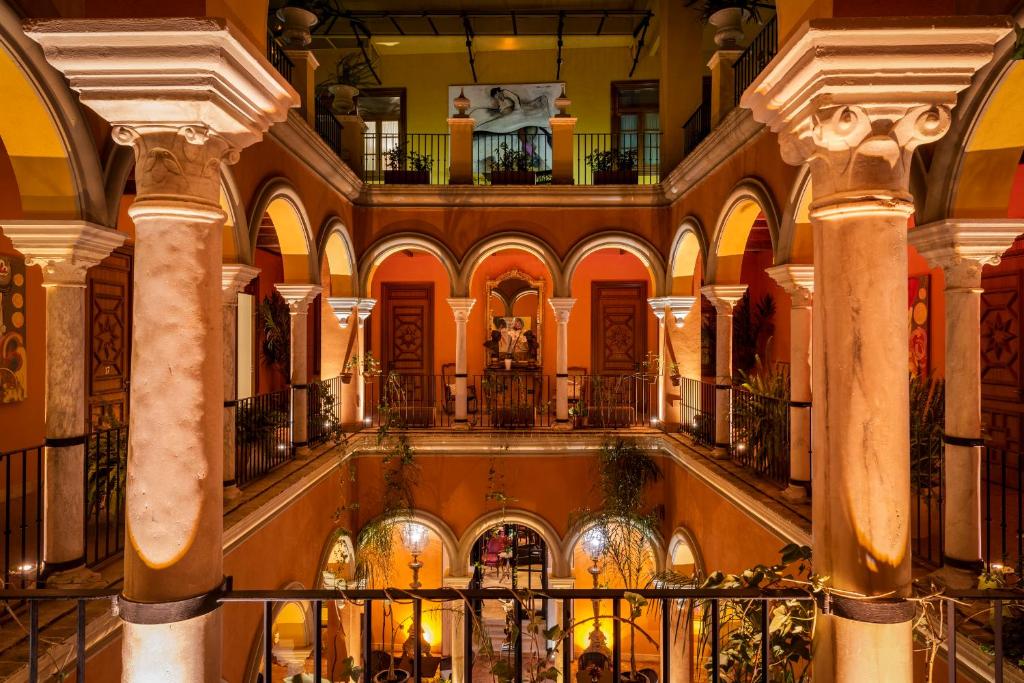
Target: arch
(337, 537)
(236, 227)
(749, 198)
(689, 247)
(47, 138)
(255, 663)
(796, 241)
(449, 543)
(683, 536)
(282, 203)
(510, 241)
(616, 239)
(512, 516)
(569, 546)
(393, 244)
(336, 247)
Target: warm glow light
(386, 43)
(594, 543)
(25, 568)
(414, 537)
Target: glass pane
(628, 122)
(380, 107)
(637, 97)
(651, 121)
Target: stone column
(298, 298)
(363, 309)
(562, 307)
(962, 247)
(461, 309)
(215, 97)
(234, 278)
(658, 306)
(723, 298)
(64, 251)
(554, 616)
(829, 94)
(344, 308)
(460, 129)
(454, 624)
(680, 308)
(798, 281)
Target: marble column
(234, 278)
(658, 306)
(454, 618)
(798, 281)
(64, 251)
(214, 98)
(829, 95)
(298, 298)
(461, 309)
(562, 307)
(363, 309)
(680, 308)
(723, 298)
(962, 247)
(554, 617)
(344, 309)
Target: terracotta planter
(344, 98)
(513, 177)
(729, 22)
(675, 380)
(346, 378)
(406, 177)
(616, 177)
(396, 676)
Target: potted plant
(614, 167)
(404, 167)
(513, 167)
(352, 72)
(727, 16)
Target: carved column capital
(680, 306)
(298, 297)
(342, 307)
(234, 277)
(658, 305)
(562, 307)
(461, 308)
(65, 250)
(962, 247)
(724, 297)
(798, 281)
(363, 309)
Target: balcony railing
(323, 414)
(327, 126)
(22, 473)
(106, 473)
(1003, 505)
(697, 410)
(625, 158)
(263, 435)
(697, 127)
(759, 434)
(512, 158)
(613, 401)
(756, 57)
(410, 159)
(277, 57)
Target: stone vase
(344, 98)
(729, 22)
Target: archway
(293, 641)
(338, 332)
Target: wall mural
(13, 356)
(919, 315)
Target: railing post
(659, 306)
(353, 142)
(562, 306)
(453, 631)
(563, 133)
(460, 129)
(723, 298)
(682, 335)
(723, 78)
(234, 278)
(344, 309)
(299, 297)
(461, 308)
(363, 309)
(303, 79)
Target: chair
(448, 377)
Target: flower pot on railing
(616, 177)
(513, 177)
(675, 380)
(346, 378)
(407, 177)
(344, 98)
(729, 22)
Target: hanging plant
(276, 333)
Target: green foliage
(761, 426)
(366, 364)
(324, 410)
(276, 336)
(106, 468)
(752, 330)
(353, 69)
(927, 423)
(256, 423)
(612, 160)
(399, 158)
(508, 159)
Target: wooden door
(618, 337)
(108, 337)
(407, 335)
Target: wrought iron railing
(697, 410)
(759, 434)
(512, 158)
(756, 57)
(409, 401)
(625, 158)
(23, 480)
(263, 434)
(327, 125)
(697, 127)
(323, 414)
(106, 473)
(277, 57)
(410, 159)
(927, 490)
(512, 400)
(613, 401)
(1003, 505)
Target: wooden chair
(448, 377)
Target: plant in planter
(366, 364)
(354, 70)
(762, 426)
(927, 423)
(276, 333)
(513, 167)
(405, 167)
(614, 167)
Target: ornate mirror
(515, 306)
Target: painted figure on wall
(13, 356)
(918, 313)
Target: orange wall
(916, 265)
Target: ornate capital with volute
(234, 277)
(298, 297)
(461, 308)
(342, 307)
(963, 246)
(658, 305)
(65, 250)
(363, 309)
(798, 281)
(562, 307)
(855, 97)
(680, 307)
(724, 297)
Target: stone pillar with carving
(798, 281)
(344, 309)
(962, 247)
(723, 298)
(562, 307)
(363, 309)
(298, 298)
(461, 309)
(829, 95)
(64, 251)
(234, 278)
(215, 96)
(658, 306)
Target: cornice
(299, 139)
(491, 196)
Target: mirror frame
(535, 283)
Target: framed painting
(13, 355)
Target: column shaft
(800, 395)
(230, 326)
(461, 308)
(723, 380)
(562, 307)
(299, 377)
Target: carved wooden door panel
(618, 327)
(108, 338)
(407, 335)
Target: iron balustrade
(402, 401)
(644, 149)
(759, 434)
(927, 490)
(1003, 505)
(23, 480)
(327, 125)
(512, 158)
(405, 150)
(323, 414)
(106, 473)
(613, 401)
(263, 435)
(512, 400)
(697, 127)
(756, 57)
(697, 410)
(280, 60)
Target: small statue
(493, 345)
(532, 345)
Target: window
(383, 111)
(635, 123)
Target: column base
(796, 491)
(303, 452)
(562, 425)
(958, 574)
(720, 451)
(78, 577)
(231, 491)
(460, 425)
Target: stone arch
(393, 244)
(682, 535)
(796, 240)
(689, 248)
(748, 199)
(278, 199)
(512, 516)
(237, 248)
(655, 540)
(511, 241)
(337, 537)
(336, 248)
(449, 542)
(617, 239)
(47, 138)
(255, 663)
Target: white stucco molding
(963, 246)
(65, 250)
